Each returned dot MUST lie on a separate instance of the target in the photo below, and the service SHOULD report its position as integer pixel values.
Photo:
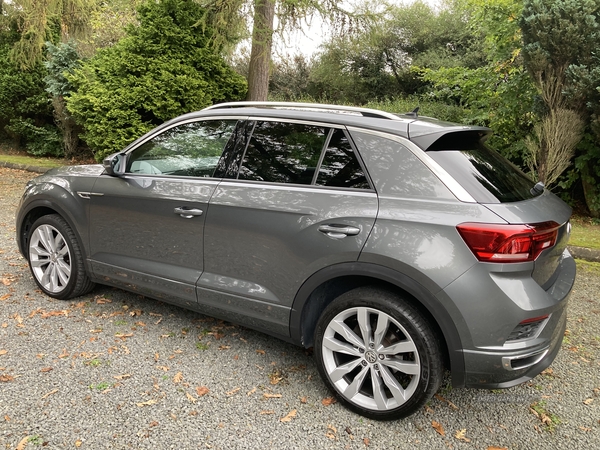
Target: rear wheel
(55, 258)
(378, 354)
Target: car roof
(423, 131)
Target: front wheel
(55, 258)
(378, 354)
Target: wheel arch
(324, 286)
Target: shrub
(161, 69)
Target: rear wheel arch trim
(401, 281)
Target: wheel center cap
(371, 356)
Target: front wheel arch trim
(380, 273)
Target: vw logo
(371, 357)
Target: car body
(395, 245)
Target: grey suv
(394, 245)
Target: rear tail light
(508, 243)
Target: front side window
(191, 149)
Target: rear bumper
(496, 303)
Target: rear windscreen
(484, 173)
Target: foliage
(561, 40)
(163, 68)
(49, 20)
(25, 110)
(63, 60)
(551, 149)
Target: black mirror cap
(114, 164)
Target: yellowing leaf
(78, 443)
(438, 427)
(461, 435)
(148, 403)
(289, 416)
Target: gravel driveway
(116, 370)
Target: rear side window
(484, 173)
(280, 152)
(283, 153)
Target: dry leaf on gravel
(260, 352)
(233, 391)
(52, 392)
(588, 401)
(148, 403)
(190, 397)
(366, 441)
(270, 411)
(122, 377)
(289, 416)
(3, 352)
(78, 443)
(461, 435)
(178, 377)
(5, 296)
(438, 427)
(250, 392)
(497, 448)
(267, 395)
(47, 369)
(6, 378)
(23, 443)
(328, 401)
(202, 390)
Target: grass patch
(585, 232)
(549, 420)
(32, 161)
(588, 266)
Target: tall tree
(48, 20)
(560, 46)
(231, 18)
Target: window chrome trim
(297, 187)
(454, 186)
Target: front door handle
(188, 213)
(339, 231)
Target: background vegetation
(83, 77)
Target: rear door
(147, 226)
(301, 201)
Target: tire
(393, 374)
(55, 259)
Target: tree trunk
(260, 56)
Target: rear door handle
(188, 213)
(339, 231)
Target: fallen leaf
(260, 352)
(6, 378)
(267, 395)
(224, 347)
(190, 397)
(438, 427)
(461, 435)
(22, 443)
(78, 443)
(233, 391)
(154, 423)
(122, 377)
(7, 418)
(270, 411)
(452, 405)
(102, 300)
(497, 448)
(163, 368)
(3, 352)
(250, 392)
(304, 400)
(585, 429)
(331, 432)
(289, 416)
(46, 369)
(136, 312)
(178, 377)
(588, 401)
(53, 391)
(148, 403)
(202, 390)
(328, 401)
(4, 325)
(64, 353)
(5, 281)
(5, 296)
(366, 441)
(123, 336)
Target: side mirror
(115, 164)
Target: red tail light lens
(508, 243)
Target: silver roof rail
(366, 112)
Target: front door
(147, 226)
